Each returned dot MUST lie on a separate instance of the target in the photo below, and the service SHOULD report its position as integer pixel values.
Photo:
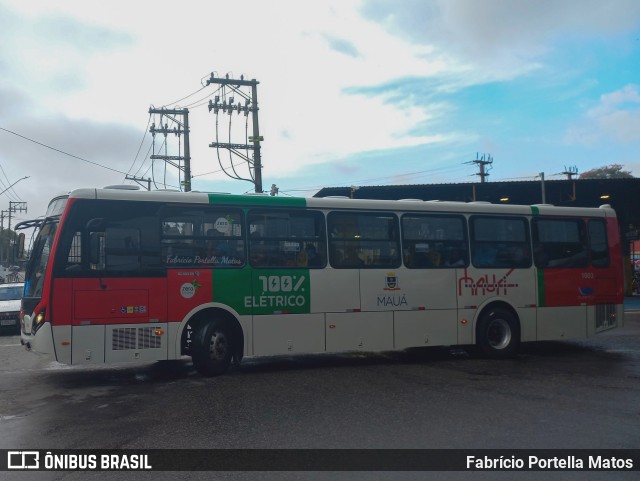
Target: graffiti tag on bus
(486, 284)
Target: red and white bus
(128, 275)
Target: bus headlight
(38, 321)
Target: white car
(10, 296)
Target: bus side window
(500, 242)
(287, 238)
(364, 239)
(434, 241)
(74, 259)
(559, 243)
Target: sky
(350, 92)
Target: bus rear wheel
(498, 334)
(212, 348)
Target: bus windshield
(37, 266)
(39, 258)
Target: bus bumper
(41, 342)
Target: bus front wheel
(212, 348)
(498, 334)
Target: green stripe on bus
(535, 210)
(230, 286)
(541, 293)
(263, 291)
(257, 200)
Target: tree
(613, 171)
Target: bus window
(500, 242)
(559, 243)
(122, 249)
(287, 238)
(434, 241)
(74, 260)
(123, 239)
(368, 240)
(202, 237)
(598, 245)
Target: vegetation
(613, 171)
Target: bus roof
(263, 200)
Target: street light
(26, 177)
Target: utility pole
(250, 105)
(139, 179)
(183, 128)
(14, 207)
(570, 172)
(544, 193)
(2, 257)
(482, 162)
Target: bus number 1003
(588, 275)
(281, 283)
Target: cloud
(342, 46)
(616, 116)
(48, 53)
(62, 31)
(503, 35)
(13, 102)
(50, 171)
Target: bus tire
(212, 348)
(498, 334)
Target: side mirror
(94, 247)
(95, 228)
(95, 224)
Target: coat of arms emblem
(391, 282)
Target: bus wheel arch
(216, 339)
(498, 331)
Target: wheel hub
(499, 333)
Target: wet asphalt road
(554, 395)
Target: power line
(204, 100)
(145, 157)
(190, 95)
(373, 179)
(5, 188)
(529, 177)
(207, 173)
(63, 152)
(144, 136)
